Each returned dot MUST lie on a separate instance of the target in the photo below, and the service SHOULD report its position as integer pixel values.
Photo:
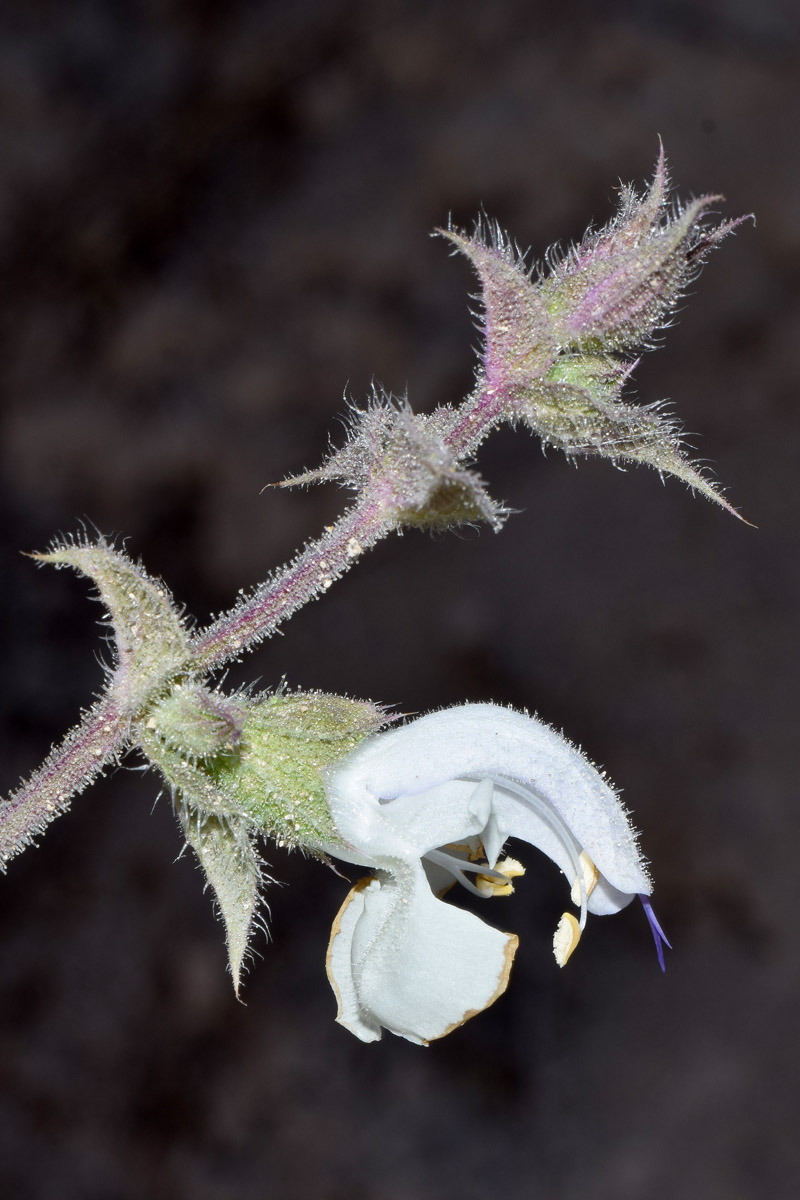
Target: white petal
(520, 820)
(441, 879)
(606, 899)
(402, 960)
(339, 966)
(478, 740)
(410, 825)
(480, 803)
(443, 814)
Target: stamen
(459, 866)
(558, 827)
(510, 869)
(566, 938)
(590, 878)
(659, 937)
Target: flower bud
(621, 283)
(555, 345)
(402, 460)
(198, 722)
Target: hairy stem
(481, 412)
(307, 576)
(67, 770)
(325, 560)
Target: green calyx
(288, 744)
(262, 759)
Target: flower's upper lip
(479, 741)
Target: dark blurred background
(214, 219)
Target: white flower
(432, 803)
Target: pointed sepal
(403, 459)
(277, 774)
(556, 344)
(271, 770)
(518, 331)
(151, 641)
(622, 282)
(226, 850)
(578, 408)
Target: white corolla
(432, 803)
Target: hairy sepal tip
(152, 643)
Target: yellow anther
(510, 869)
(566, 938)
(590, 878)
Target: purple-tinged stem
(322, 562)
(480, 413)
(103, 733)
(67, 770)
(308, 575)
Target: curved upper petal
(476, 741)
(406, 825)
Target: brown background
(213, 219)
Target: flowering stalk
(558, 348)
(307, 576)
(554, 357)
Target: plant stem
(67, 770)
(325, 560)
(308, 575)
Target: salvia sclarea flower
(431, 804)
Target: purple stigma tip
(659, 937)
